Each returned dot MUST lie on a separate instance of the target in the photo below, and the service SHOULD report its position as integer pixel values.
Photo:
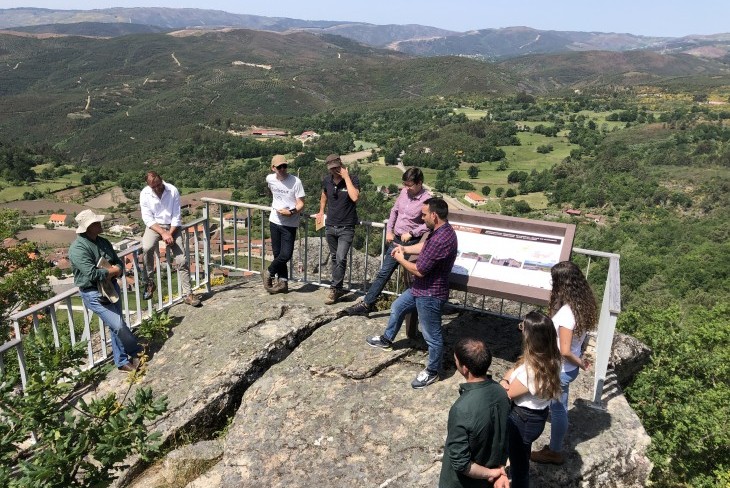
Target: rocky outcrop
(313, 405)
(628, 356)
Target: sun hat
(85, 219)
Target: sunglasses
(282, 166)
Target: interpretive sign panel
(508, 257)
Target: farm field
(471, 113)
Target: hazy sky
(653, 18)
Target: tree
(510, 193)
(473, 171)
(499, 191)
(445, 180)
(79, 446)
(522, 207)
(486, 190)
(24, 274)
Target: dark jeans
(339, 240)
(384, 274)
(524, 426)
(282, 244)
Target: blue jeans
(384, 274)
(124, 343)
(559, 412)
(429, 316)
(524, 426)
(282, 245)
(339, 240)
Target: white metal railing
(610, 306)
(202, 250)
(196, 235)
(610, 309)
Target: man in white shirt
(160, 206)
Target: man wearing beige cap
(159, 203)
(287, 203)
(86, 254)
(340, 192)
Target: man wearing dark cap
(87, 253)
(340, 192)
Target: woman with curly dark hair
(531, 385)
(574, 312)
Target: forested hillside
(640, 141)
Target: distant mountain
(493, 44)
(519, 41)
(91, 29)
(487, 44)
(578, 70)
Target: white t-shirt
(565, 318)
(285, 193)
(528, 400)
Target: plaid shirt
(435, 262)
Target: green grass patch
(365, 145)
(384, 175)
(471, 113)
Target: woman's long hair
(571, 288)
(541, 355)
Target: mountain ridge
(488, 43)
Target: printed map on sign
(518, 257)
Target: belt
(88, 288)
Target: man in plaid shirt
(430, 289)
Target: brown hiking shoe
(334, 295)
(192, 300)
(546, 456)
(268, 280)
(281, 286)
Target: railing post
(306, 249)
(610, 308)
(206, 246)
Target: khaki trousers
(176, 256)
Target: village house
(268, 132)
(241, 221)
(475, 199)
(60, 220)
(123, 229)
(307, 136)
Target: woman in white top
(574, 311)
(287, 204)
(531, 385)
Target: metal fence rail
(135, 309)
(210, 251)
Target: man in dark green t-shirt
(476, 439)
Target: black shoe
(424, 379)
(361, 308)
(149, 290)
(380, 341)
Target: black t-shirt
(340, 209)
